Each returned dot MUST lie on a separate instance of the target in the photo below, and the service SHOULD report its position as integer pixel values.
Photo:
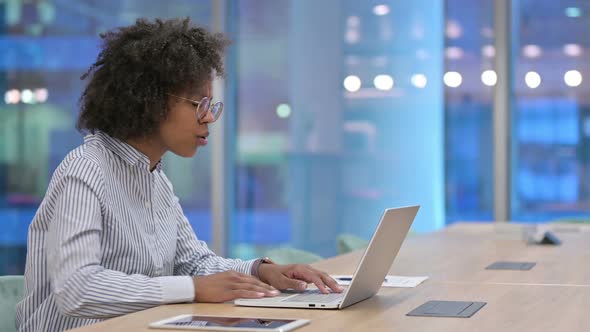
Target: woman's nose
(208, 118)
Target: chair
(348, 242)
(12, 289)
(286, 255)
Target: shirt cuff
(244, 267)
(176, 289)
(255, 266)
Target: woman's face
(181, 132)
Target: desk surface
(461, 253)
(555, 294)
(509, 308)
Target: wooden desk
(462, 252)
(509, 308)
(554, 295)
(455, 256)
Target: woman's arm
(193, 257)
(82, 287)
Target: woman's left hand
(297, 276)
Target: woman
(110, 237)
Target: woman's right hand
(230, 285)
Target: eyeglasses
(203, 107)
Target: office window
(339, 115)
(551, 118)
(469, 82)
(46, 47)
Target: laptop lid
(370, 272)
(380, 253)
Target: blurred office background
(335, 110)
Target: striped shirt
(109, 238)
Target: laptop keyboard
(315, 296)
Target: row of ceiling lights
(454, 29)
(382, 82)
(532, 79)
(453, 79)
(26, 96)
(528, 51)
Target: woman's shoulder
(87, 158)
(82, 164)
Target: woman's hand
(296, 276)
(230, 285)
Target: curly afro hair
(138, 66)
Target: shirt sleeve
(193, 257)
(82, 287)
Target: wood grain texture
(554, 295)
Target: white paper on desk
(390, 281)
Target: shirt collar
(124, 150)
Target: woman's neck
(150, 148)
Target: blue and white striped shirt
(108, 239)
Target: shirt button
(148, 205)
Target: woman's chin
(188, 153)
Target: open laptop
(369, 275)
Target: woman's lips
(202, 140)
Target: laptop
(370, 272)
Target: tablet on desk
(223, 323)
